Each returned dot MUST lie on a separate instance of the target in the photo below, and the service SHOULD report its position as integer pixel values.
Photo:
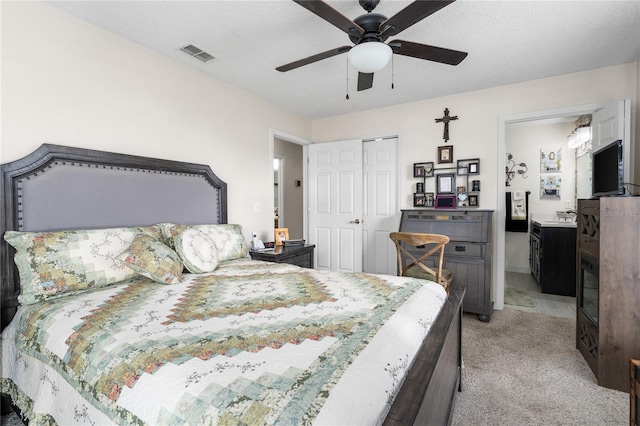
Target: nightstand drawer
(301, 259)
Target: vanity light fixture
(582, 133)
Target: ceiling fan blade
(415, 12)
(332, 16)
(314, 58)
(429, 53)
(365, 81)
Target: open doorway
(288, 181)
(503, 121)
(289, 190)
(540, 150)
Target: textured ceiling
(507, 41)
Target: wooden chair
(410, 266)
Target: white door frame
(281, 200)
(273, 134)
(499, 276)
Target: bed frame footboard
(428, 394)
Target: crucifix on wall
(446, 119)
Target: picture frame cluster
(454, 185)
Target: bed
(187, 328)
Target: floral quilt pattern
(251, 343)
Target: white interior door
(612, 123)
(380, 214)
(335, 204)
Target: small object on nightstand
(293, 243)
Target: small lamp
(368, 57)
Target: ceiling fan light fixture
(370, 57)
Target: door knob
(357, 221)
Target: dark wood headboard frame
(49, 157)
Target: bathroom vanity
(552, 254)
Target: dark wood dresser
(468, 253)
(301, 256)
(608, 287)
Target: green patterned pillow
(55, 263)
(167, 230)
(227, 239)
(197, 250)
(152, 259)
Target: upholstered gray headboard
(58, 187)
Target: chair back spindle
(415, 249)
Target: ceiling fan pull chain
(347, 79)
(392, 72)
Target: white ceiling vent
(197, 53)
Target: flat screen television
(607, 171)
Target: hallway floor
(548, 304)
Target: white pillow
(197, 250)
(227, 239)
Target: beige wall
(68, 82)
(475, 133)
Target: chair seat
(415, 272)
(414, 248)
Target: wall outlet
(257, 207)
(567, 205)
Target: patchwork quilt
(251, 343)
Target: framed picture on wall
(419, 200)
(418, 170)
(445, 154)
(445, 183)
(473, 201)
(474, 168)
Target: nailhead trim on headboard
(21, 188)
(39, 172)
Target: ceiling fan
(368, 32)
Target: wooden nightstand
(301, 256)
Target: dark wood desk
(301, 256)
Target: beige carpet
(523, 369)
